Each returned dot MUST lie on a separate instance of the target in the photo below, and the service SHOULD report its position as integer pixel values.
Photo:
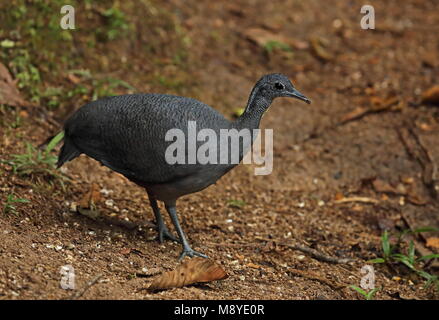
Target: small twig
(232, 245)
(357, 199)
(312, 276)
(89, 284)
(354, 115)
(305, 249)
(316, 254)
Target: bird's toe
(164, 233)
(191, 253)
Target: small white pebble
(73, 207)
(106, 192)
(301, 257)
(301, 204)
(337, 23)
(401, 201)
(109, 203)
(242, 278)
(229, 221)
(321, 203)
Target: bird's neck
(252, 115)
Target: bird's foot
(191, 253)
(165, 233)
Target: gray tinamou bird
(127, 134)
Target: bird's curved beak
(296, 94)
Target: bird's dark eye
(279, 86)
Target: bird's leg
(161, 227)
(187, 250)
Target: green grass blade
(55, 140)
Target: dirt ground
(366, 135)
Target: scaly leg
(187, 250)
(161, 227)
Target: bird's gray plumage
(127, 134)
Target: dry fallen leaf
(376, 105)
(191, 271)
(431, 95)
(262, 37)
(433, 242)
(91, 198)
(87, 205)
(253, 266)
(383, 186)
(9, 93)
(319, 50)
(338, 196)
(73, 79)
(125, 251)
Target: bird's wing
(127, 133)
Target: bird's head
(277, 85)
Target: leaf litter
(191, 271)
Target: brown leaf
(433, 242)
(338, 196)
(73, 79)
(354, 114)
(191, 271)
(430, 59)
(385, 187)
(319, 50)
(261, 37)
(91, 198)
(377, 105)
(253, 266)
(125, 251)
(9, 93)
(431, 95)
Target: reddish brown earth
(318, 159)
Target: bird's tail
(68, 152)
